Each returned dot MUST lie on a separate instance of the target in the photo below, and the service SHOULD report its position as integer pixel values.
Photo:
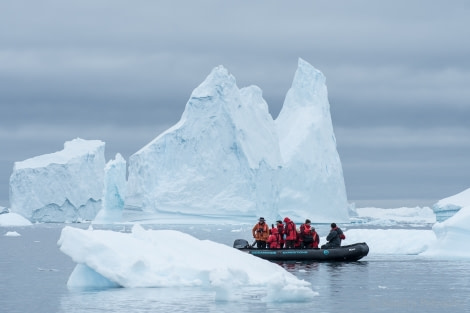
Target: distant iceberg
(453, 233)
(447, 207)
(65, 186)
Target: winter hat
(286, 219)
(307, 221)
(279, 222)
(261, 219)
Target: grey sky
(398, 77)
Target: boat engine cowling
(241, 244)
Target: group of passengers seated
(287, 236)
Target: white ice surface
(13, 219)
(390, 217)
(453, 236)
(12, 234)
(391, 241)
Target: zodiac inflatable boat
(347, 253)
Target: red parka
(290, 230)
(274, 240)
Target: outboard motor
(241, 244)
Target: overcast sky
(398, 77)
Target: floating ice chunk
(167, 258)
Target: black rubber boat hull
(347, 253)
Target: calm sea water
(34, 273)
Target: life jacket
(306, 233)
(261, 231)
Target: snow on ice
(65, 186)
(168, 258)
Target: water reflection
(188, 299)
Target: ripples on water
(34, 275)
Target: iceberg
(65, 186)
(113, 192)
(312, 183)
(12, 234)
(447, 207)
(169, 258)
(227, 158)
(13, 219)
(452, 233)
(220, 160)
(452, 236)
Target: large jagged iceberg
(220, 160)
(312, 183)
(226, 157)
(65, 186)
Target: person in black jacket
(334, 237)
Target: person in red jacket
(309, 236)
(280, 231)
(274, 240)
(298, 242)
(290, 232)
